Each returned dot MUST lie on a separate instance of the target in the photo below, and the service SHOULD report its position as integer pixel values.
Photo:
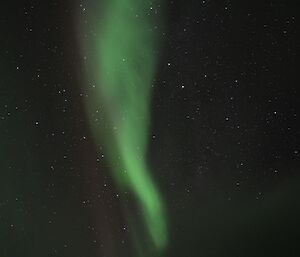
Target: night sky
(222, 143)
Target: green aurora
(120, 62)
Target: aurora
(120, 47)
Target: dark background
(224, 144)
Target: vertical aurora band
(121, 62)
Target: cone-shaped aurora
(119, 45)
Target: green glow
(121, 60)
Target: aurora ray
(120, 60)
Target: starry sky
(222, 144)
